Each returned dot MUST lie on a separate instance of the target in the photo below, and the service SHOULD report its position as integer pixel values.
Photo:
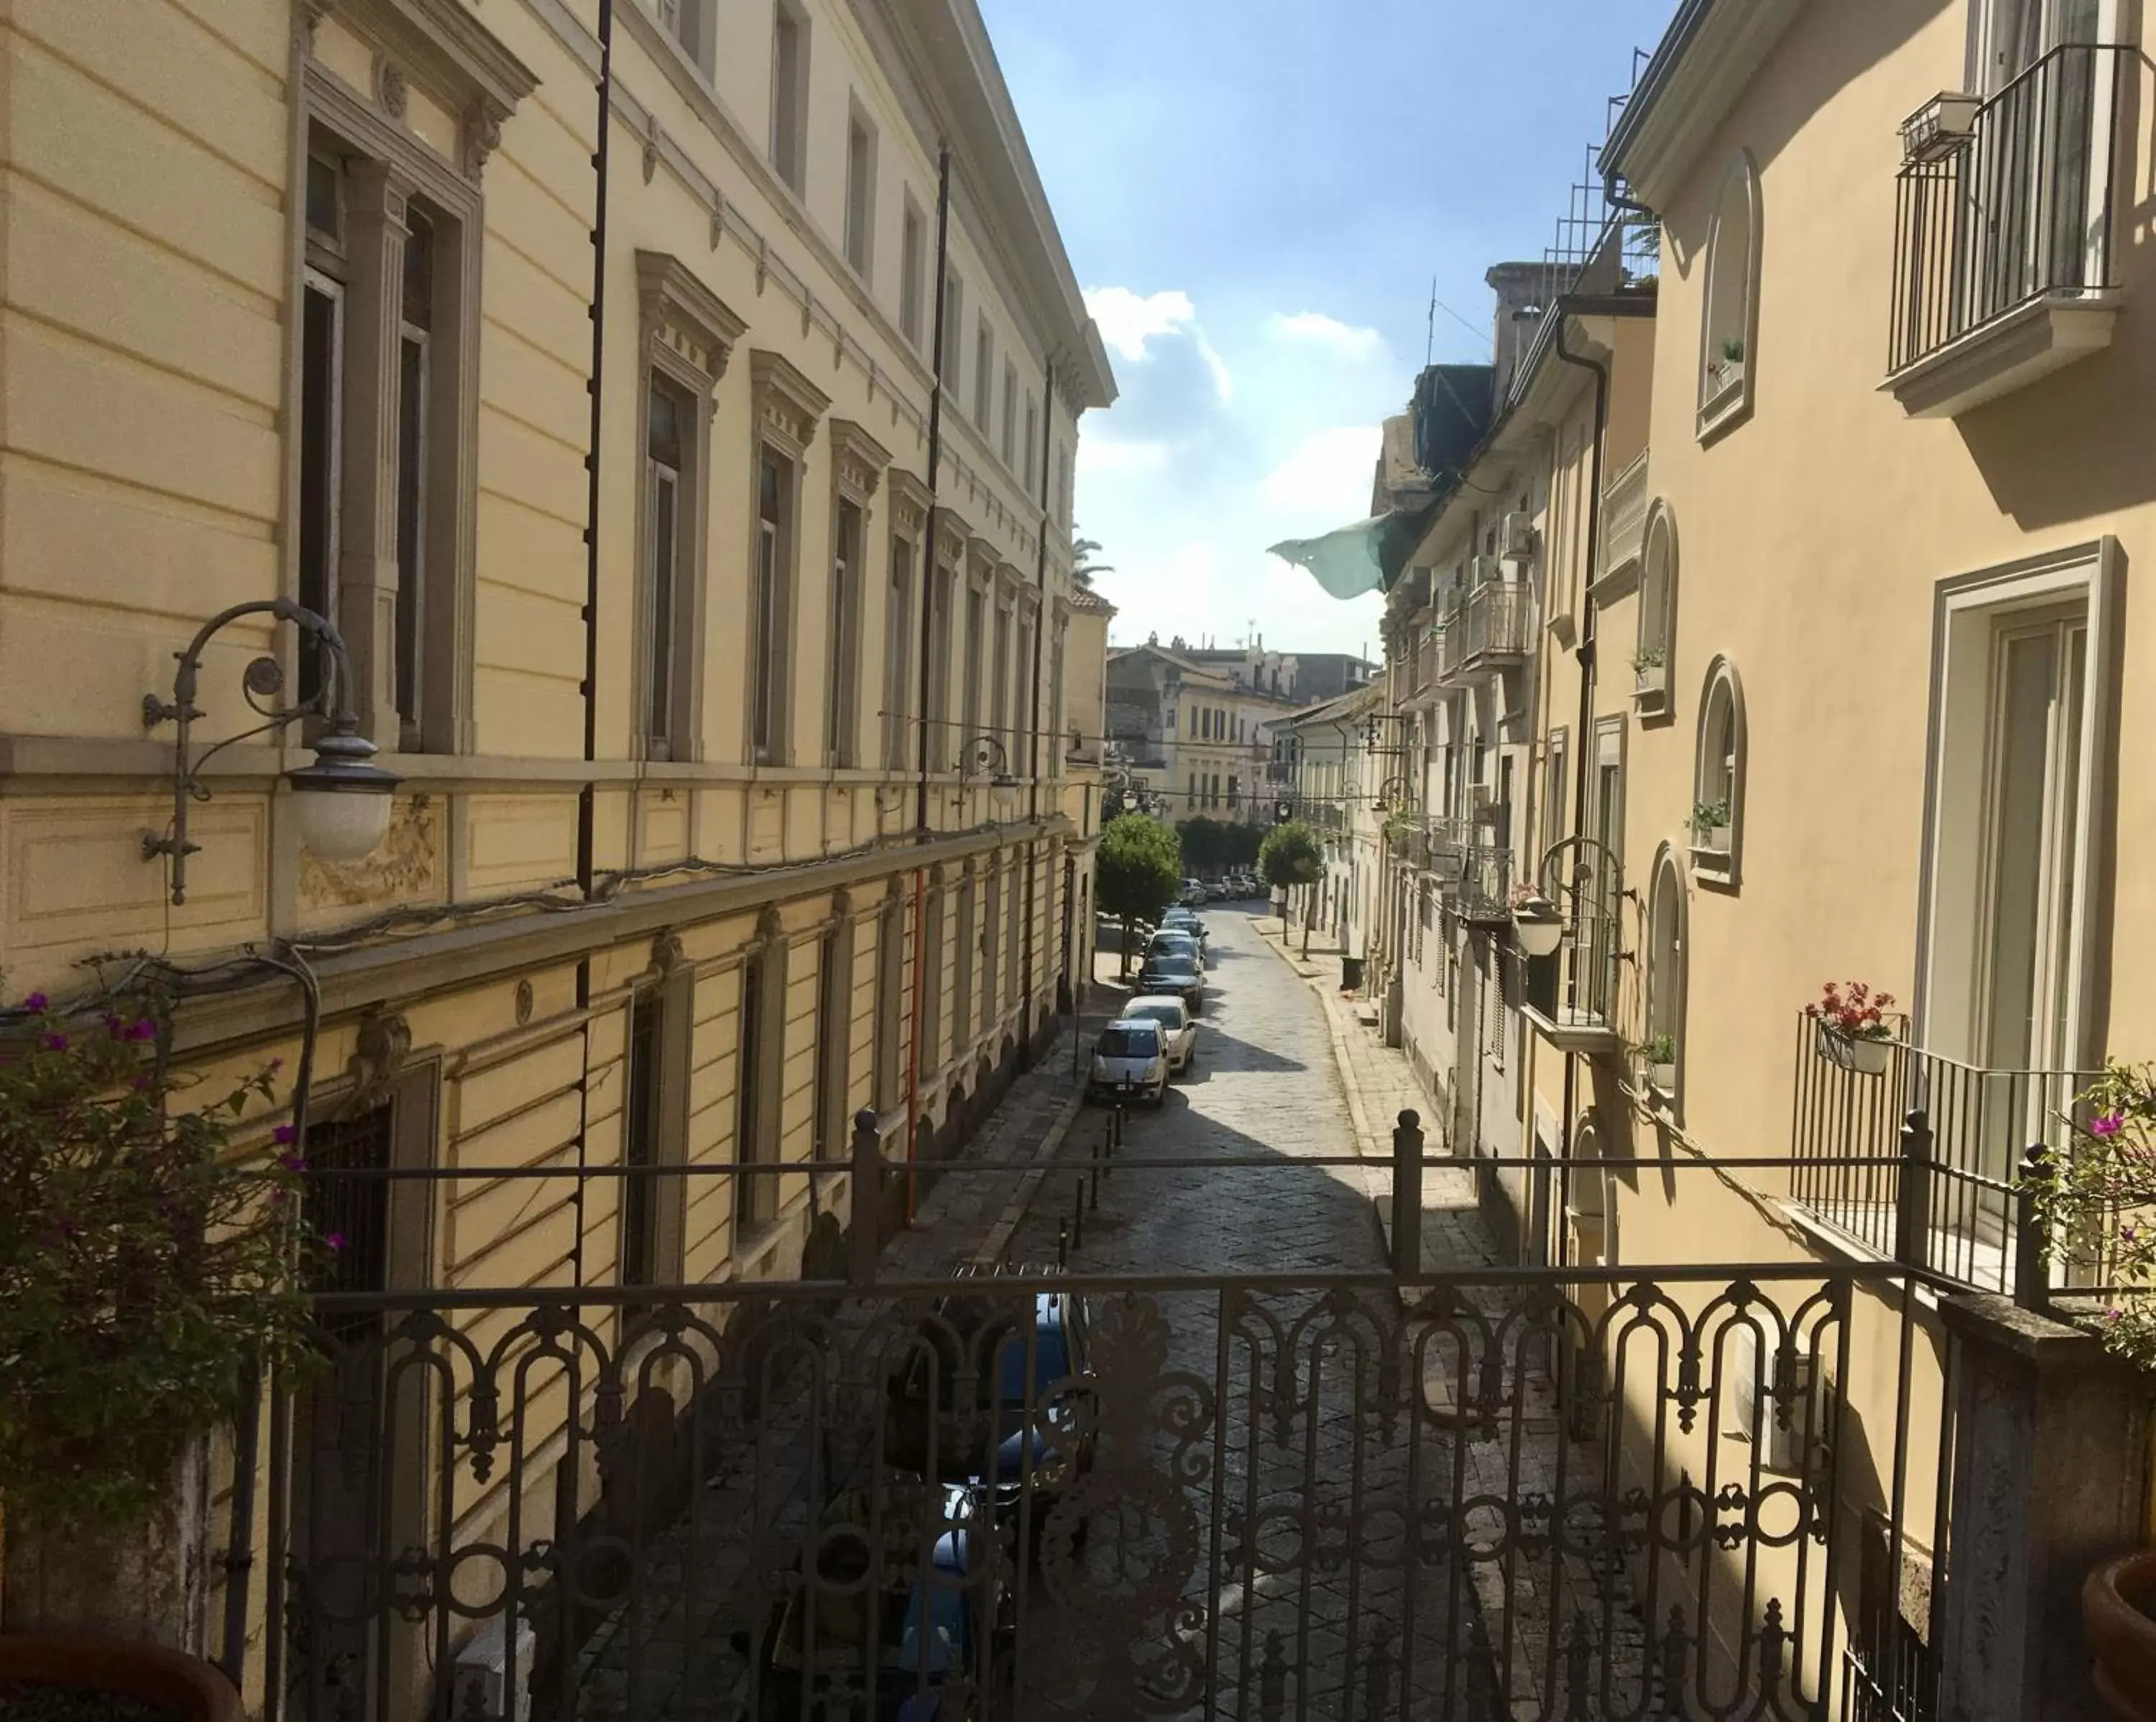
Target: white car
(1130, 1062)
(1173, 1017)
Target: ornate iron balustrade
(2018, 207)
(1493, 626)
(1547, 1494)
(1925, 1158)
(1486, 886)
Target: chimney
(1520, 288)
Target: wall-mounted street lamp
(985, 757)
(1538, 925)
(1394, 792)
(341, 801)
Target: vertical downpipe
(586, 807)
(930, 572)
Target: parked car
(1194, 892)
(1216, 891)
(1130, 1060)
(1174, 974)
(1173, 1017)
(1185, 921)
(1174, 941)
(970, 1339)
(930, 1630)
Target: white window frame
(913, 275)
(860, 208)
(1719, 777)
(789, 97)
(1654, 688)
(1725, 401)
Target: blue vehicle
(1029, 1462)
(927, 1628)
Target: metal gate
(1563, 1493)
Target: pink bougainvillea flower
(334, 1241)
(35, 1001)
(54, 1043)
(2107, 1124)
(284, 1135)
(143, 1029)
(291, 1163)
(2113, 1313)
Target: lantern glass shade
(342, 802)
(1539, 928)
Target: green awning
(1367, 556)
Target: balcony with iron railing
(1624, 519)
(1481, 893)
(2004, 212)
(1492, 627)
(1929, 1160)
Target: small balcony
(1624, 520)
(1483, 892)
(1918, 1157)
(2003, 233)
(1492, 629)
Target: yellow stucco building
(576, 359)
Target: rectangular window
(789, 95)
(890, 1004)
(640, 1142)
(1007, 447)
(984, 371)
(898, 658)
(1062, 504)
(1000, 723)
(936, 700)
(321, 466)
(751, 1195)
(860, 194)
(929, 959)
(1014, 944)
(1031, 456)
(976, 628)
(913, 274)
(991, 954)
(840, 700)
(832, 1029)
(949, 367)
(412, 464)
(666, 547)
(968, 952)
(774, 559)
(1555, 788)
(689, 22)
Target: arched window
(1665, 1040)
(1717, 814)
(1589, 1210)
(1655, 650)
(1730, 326)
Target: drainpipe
(1580, 767)
(1033, 733)
(931, 571)
(587, 803)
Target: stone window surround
(1722, 869)
(771, 949)
(673, 977)
(909, 504)
(787, 408)
(1666, 980)
(858, 464)
(833, 1066)
(439, 47)
(687, 337)
(1660, 531)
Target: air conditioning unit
(1485, 570)
(480, 1681)
(1515, 537)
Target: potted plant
(1710, 826)
(1649, 670)
(149, 1274)
(1658, 1054)
(1727, 368)
(1854, 1029)
(2098, 1211)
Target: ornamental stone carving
(858, 461)
(787, 404)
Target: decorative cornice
(443, 41)
(951, 538)
(690, 319)
(982, 562)
(787, 404)
(858, 460)
(910, 500)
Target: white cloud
(1099, 453)
(1130, 321)
(1314, 328)
(1326, 481)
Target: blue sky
(1255, 195)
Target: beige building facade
(724, 672)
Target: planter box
(1855, 1053)
(1944, 125)
(1716, 840)
(1662, 1078)
(1650, 679)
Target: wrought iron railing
(1450, 841)
(1924, 1157)
(2017, 207)
(1533, 1492)
(1494, 620)
(1485, 888)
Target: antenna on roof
(1429, 346)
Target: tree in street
(1291, 857)
(1139, 869)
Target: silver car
(1176, 1025)
(1130, 1062)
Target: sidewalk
(1380, 1084)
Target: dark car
(963, 1405)
(1175, 942)
(1175, 975)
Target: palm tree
(1085, 550)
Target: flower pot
(2122, 1638)
(1662, 1077)
(1650, 680)
(188, 1688)
(1865, 1056)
